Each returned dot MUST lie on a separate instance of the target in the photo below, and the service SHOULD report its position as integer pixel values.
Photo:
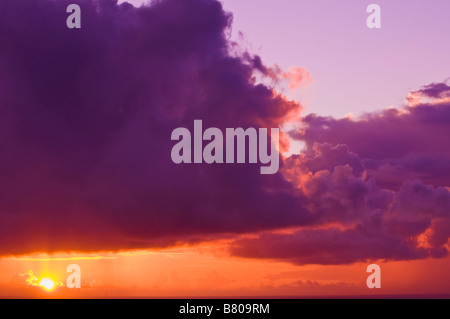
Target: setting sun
(47, 284)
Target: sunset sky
(86, 175)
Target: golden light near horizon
(46, 281)
(47, 284)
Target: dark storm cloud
(86, 120)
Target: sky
(86, 122)
(357, 68)
(347, 61)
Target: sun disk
(47, 283)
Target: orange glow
(44, 281)
(208, 270)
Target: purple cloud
(86, 121)
(394, 145)
(85, 144)
(379, 186)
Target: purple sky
(355, 69)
